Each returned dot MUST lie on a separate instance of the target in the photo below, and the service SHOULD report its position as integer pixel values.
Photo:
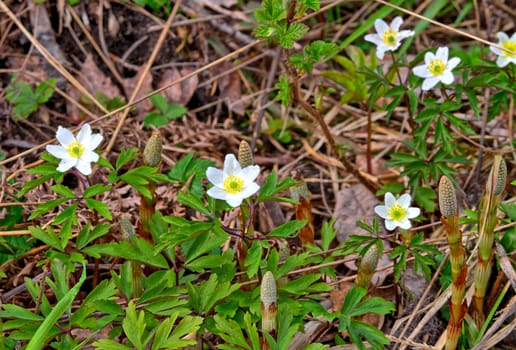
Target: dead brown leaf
(179, 93)
(230, 89)
(129, 86)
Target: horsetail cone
(152, 151)
(127, 228)
(245, 154)
(501, 176)
(367, 267)
(269, 305)
(447, 197)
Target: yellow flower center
(233, 184)
(509, 45)
(390, 37)
(436, 66)
(397, 212)
(75, 149)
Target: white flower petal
(503, 37)
(429, 83)
(452, 63)
(217, 193)
(380, 26)
(234, 200)
(447, 77)
(381, 210)
(404, 200)
(89, 156)
(84, 134)
(248, 191)
(249, 174)
(66, 164)
(215, 176)
(404, 224)
(502, 61)
(83, 166)
(380, 52)
(495, 50)
(374, 38)
(390, 225)
(231, 165)
(396, 23)
(413, 212)
(442, 53)
(389, 199)
(429, 56)
(405, 34)
(421, 71)
(57, 151)
(94, 142)
(64, 136)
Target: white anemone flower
(233, 184)
(504, 57)
(397, 212)
(437, 68)
(77, 151)
(388, 37)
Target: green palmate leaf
(284, 90)
(169, 337)
(96, 189)
(253, 259)
(49, 237)
(108, 344)
(373, 335)
(126, 155)
(252, 332)
(99, 207)
(63, 191)
(39, 339)
(299, 286)
(17, 312)
(138, 249)
(287, 229)
(271, 11)
(192, 201)
(134, 326)
(86, 236)
(328, 233)
(44, 208)
(288, 35)
(26, 100)
(231, 332)
(69, 213)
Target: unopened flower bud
(447, 197)
(245, 154)
(127, 228)
(152, 152)
(269, 306)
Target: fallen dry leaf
(230, 89)
(179, 93)
(130, 85)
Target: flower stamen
(436, 67)
(397, 212)
(390, 37)
(233, 184)
(75, 149)
(509, 45)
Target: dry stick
(146, 70)
(51, 59)
(457, 31)
(92, 41)
(264, 98)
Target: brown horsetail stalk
(367, 267)
(450, 220)
(269, 306)
(487, 221)
(151, 157)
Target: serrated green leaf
(99, 207)
(287, 229)
(96, 189)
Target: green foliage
(421, 252)
(314, 52)
(166, 112)
(25, 99)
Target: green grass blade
(38, 340)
